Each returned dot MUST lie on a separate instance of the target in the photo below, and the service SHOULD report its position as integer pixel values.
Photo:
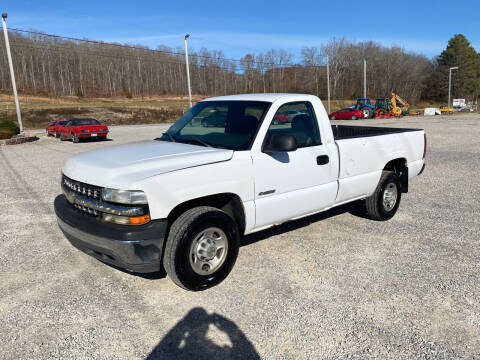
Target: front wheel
(354, 117)
(75, 138)
(201, 248)
(384, 202)
(332, 117)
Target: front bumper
(135, 248)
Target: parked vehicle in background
(346, 114)
(285, 116)
(80, 129)
(184, 200)
(366, 106)
(54, 128)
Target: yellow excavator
(398, 110)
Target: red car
(79, 129)
(54, 128)
(345, 114)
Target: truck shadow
(356, 208)
(192, 338)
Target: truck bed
(365, 150)
(341, 132)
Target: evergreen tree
(465, 80)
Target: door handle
(323, 160)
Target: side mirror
(282, 143)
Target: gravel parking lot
(333, 285)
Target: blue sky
(239, 27)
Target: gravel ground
(334, 285)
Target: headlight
(86, 131)
(124, 196)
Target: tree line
(55, 66)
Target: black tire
(332, 117)
(354, 117)
(75, 139)
(103, 138)
(376, 209)
(182, 233)
(367, 112)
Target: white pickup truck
(230, 166)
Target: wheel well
(399, 166)
(227, 202)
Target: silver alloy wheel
(390, 196)
(208, 251)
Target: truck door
(296, 183)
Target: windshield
(222, 124)
(80, 122)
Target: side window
(68, 124)
(297, 119)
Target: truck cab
(182, 201)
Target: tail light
(425, 145)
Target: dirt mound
(38, 118)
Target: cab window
(297, 119)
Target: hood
(120, 166)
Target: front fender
(166, 191)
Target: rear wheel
(201, 248)
(384, 202)
(332, 117)
(354, 117)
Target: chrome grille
(87, 190)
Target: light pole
(12, 74)
(328, 85)
(188, 70)
(450, 83)
(364, 78)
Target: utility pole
(364, 78)
(273, 76)
(12, 74)
(328, 84)
(450, 83)
(188, 70)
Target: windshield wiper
(170, 136)
(204, 143)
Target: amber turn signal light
(139, 220)
(124, 220)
